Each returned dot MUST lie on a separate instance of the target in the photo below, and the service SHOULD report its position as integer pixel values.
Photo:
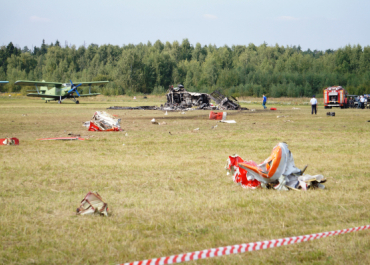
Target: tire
(77, 102)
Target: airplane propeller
(74, 88)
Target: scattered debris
(253, 110)
(330, 113)
(92, 204)
(228, 121)
(277, 172)
(214, 127)
(134, 97)
(9, 141)
(197, 129)
(295, 108)
(134, 108)
(225, 103)
(74, 135)
(62, 138)
(154, 122)
(126, 134)
(272, 108)
(166, 113)
(24, 115)
(102, 121)
(170, 133)
(217, 115)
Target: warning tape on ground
(221, 251)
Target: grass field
(169, 193)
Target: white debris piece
(228, 121)
(154, 122)
(103, 121)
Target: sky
(320, 25)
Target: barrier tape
(216, 252)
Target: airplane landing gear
(59, 102)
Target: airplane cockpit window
(66, 84)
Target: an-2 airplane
(59, 91)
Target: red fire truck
(335, 96)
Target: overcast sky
(321, 25)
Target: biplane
(52, 91)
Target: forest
(240, 70)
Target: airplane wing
(38, 83)
(42, 96)
(96, 83)
(4, 82)
(88, 95)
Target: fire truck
(335, 96)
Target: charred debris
(180, 99)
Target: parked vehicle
(335, 96)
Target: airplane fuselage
(55, 91)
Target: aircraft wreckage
(180, 99)
(277, 172)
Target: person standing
(313, 102)
(264, 102)
(362, 102)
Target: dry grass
(169, 193)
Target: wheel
(59, 102)
(77, 102)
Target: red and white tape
(216, 252)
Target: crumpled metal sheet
(103, 121)
(278, 171)
(92, 204)
(239, 174)
(280, 162)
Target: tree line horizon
(239, 70)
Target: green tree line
(150, 68)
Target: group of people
(358, 102)
(361, 102)
(313, 103)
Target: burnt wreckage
(178, 97)
(225, 103)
